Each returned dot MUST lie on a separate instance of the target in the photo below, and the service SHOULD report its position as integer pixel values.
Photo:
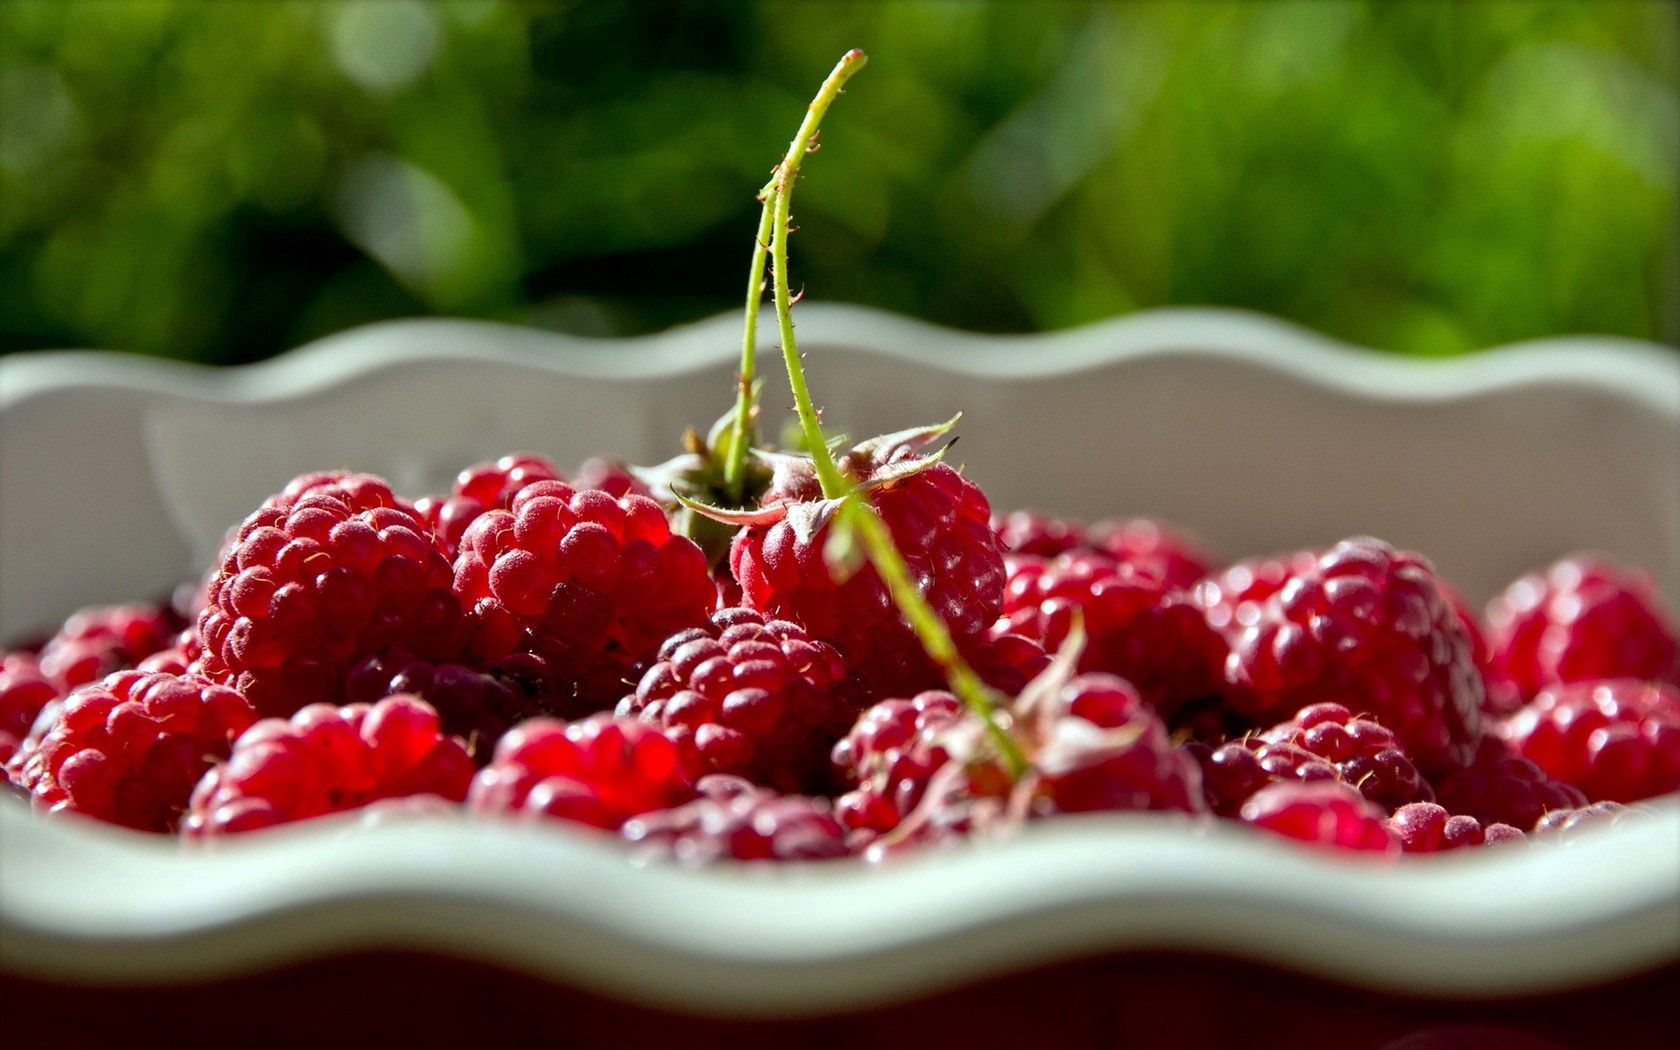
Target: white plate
(119, 474)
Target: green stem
(781, 188)
(740, 431)
(930, 629)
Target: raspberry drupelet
(1501, 787)
(1424, 827)
(600, 771)
(1618, 741)
(1322, 742)
(1326, 814)
(940, 522)
(583, 585)
(329, 572)
(1366, 626)
(24, 691)
(1565, 824)
(733, 819)
(752, 696)
(479, 488)
(1143, 543)
(476, 706)
(1137, 625)
(326, 760)
(1583, 619)
(890, 755)
(95, 642)
(128, 750)
(1232, 599)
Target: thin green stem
(740, 431)
(781, 189)
(878, 545)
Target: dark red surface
(1168, 1000)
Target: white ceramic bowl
(118, 476)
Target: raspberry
(1137, 625)
(588, 584)
(752, 696)
(1322, 742)
(1567, 823)
(177, 658)
(330, 571)
(735, 820)
(938, 519)
(326, 760)
(486, 486)
(475, 706)
(600, 771)
(95, 642)
(1232, 600)
(24, 691)
(1366, 626)
(1583, 619)
(1424, 827)
(890, 755)
(609, 476)
(1327, 815)
(1500, 787)
(128, 750)
(1140, 542)
(1618, 741)
(1004, 661)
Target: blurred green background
(219, 181)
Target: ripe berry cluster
(761, 655)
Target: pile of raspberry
(540, 647)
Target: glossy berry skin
(480, 488)
(600, 771)
(329, 572)
(1565, 824)
(24, 691)
(890, 755)
(1366, 626)
(1618, 741)
(326, 760)
(95, 642)
(475, 706)
(1500, 787)
(1232, 600)
(128, 750)
(1424, 827)
(752, 696)
(1327, 815)
(1582, 619)
(587, 584)
(1143, 543)
(939, 521)
(1136, 624)
(733, 819)
(1322, 742)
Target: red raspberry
(1327, 815)
(1583, 619)
(1618, 741)
(128, 750)
(588, 584)
(1366, 626)
(1106, 750)
(475, 706)
(940, 522)
(609, 476)
(327, 760)
(97, 641)
(178, 658)
(890, 755)
(752, 696)
(1232, 600)
(735, 820)
(601, 771)
(1567, 823)
(1004, 661)
(24, 691)
(1322, 742)
(1137, 625)
(1499, 787)
(486, 486)
(1424, 827)
(1143, 543)
(330, 571)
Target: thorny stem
(855, 511)
(740, 431)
